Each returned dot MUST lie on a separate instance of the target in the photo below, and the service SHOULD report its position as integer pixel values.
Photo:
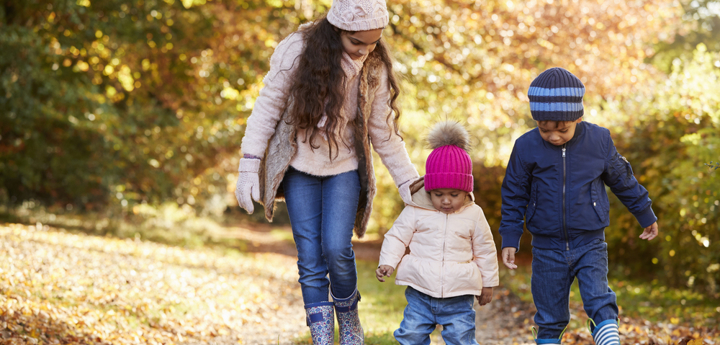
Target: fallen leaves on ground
(509, 319)
(58, 287)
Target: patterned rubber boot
(351, 332)
(547, 341)
(605, 333)
(321, 321)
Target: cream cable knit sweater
(269, 107)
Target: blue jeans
(553, 271)
(322, 213)
(455, 314)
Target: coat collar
(421, 198)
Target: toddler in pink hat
(452, 257)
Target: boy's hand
(650, 232)
(486, 297)
(508, 257)
(383, 271)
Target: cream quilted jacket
(450, 254)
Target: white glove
(404, 190)
(248, 184)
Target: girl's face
(360, 43)
(447, 200)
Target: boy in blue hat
(555, 184)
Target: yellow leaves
(125, 78)
(110, 91)
(693, 138)
(270, 43)
(123, 291)
(82, 65)
(84, 3)
(190, 3)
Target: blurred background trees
(109, 105)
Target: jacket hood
(421, 198)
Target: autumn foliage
(106, 105)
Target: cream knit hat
(358, 15)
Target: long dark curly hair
(317, 86)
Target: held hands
(508, 257)
(650, 232)
(487, 295)
(404, 190)
(383, 271)
(248, 183)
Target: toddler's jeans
(455, 314)
(553, 271)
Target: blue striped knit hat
(556, 95)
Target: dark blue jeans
(322, 213)
(455, 314)
(553, 271)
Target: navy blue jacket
(559, 191)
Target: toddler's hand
(508, 257)
(650, 232)
(486, 297)
(383, 271)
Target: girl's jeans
(553, 271)
(322, 213)
(455, 314)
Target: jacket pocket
(532, 205)
(600, 204)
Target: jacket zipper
(567, 238)
(442, 267)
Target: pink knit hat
(449, 165)
(358, 15)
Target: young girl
(329, 94)
(452, 253)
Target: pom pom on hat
(449, 164)
(358, 15)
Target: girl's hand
(383, 271)
(405, 192)
(508, 257)
(650, 232)
(486, 297)
(248, 183)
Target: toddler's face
(557, 132)
(360, 43)
(447, 200)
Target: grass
(651, 301)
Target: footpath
(60, 287)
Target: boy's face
(360, 43)
(557, 132)
(447, 200)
